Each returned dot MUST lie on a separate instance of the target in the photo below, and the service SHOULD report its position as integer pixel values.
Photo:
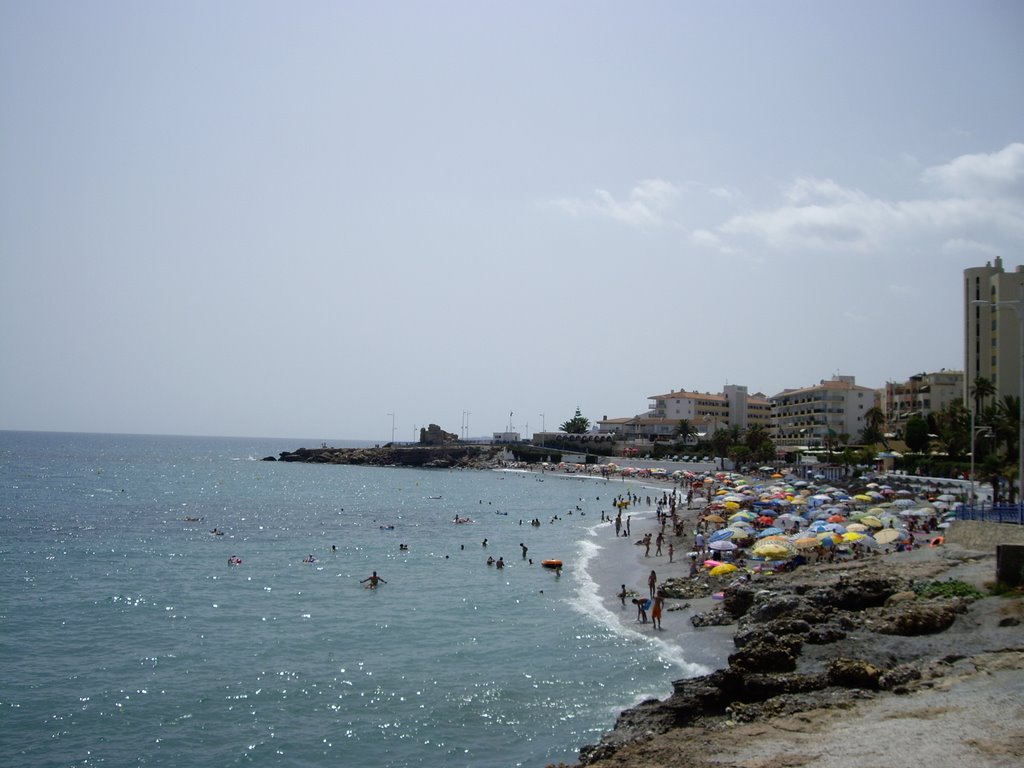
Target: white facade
(992, 341)
(811, 417)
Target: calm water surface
(126, 639)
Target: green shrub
(949, 588)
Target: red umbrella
(837, 519)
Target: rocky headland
(428, 456)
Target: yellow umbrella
(871, 521)
(798, 500)
(715, 519)
(810, 543)
(774, 550)
(863, 497)
(887, 535)
(731, 505)
(721, 570)
(853, 536)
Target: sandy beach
(961, 705)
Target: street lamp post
(392, 415)
(1018, 305)
(974, 434)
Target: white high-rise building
(992, 334)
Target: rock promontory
(429, 456)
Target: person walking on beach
(656, 610)
(659, 541)
(374, 580)
(652, 582)
(671, 552)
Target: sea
(126, 638)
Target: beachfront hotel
(830, 412)
(920, 395)
(992, 327)
(705, 412)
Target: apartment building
(811, 416)
(992, 327)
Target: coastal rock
(444, 456)
(767, 654)
(921, 618)
(749, 635)
(761, 687)
(685, 589)
(824, 635)
(855, 593)
(792, 606)
(854, 673)
(897, 678)
(715, 618)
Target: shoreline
(863, 671)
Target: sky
(297, 219)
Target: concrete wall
(983, 537)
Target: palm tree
(1006, 426)
(577, 425)
(685, 430)
(874, 427)
(981, 389)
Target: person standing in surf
(374, 580)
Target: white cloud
(968, 246)
(705, 238)
(980, 174)
(823, 215)
(647, 204)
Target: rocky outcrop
(441, 457)
(768, 675)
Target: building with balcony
(920, 395)
(992, 333)
(811, 417)
(706, 413)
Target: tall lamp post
(1018, 305)
(392, 415)
(974, 434)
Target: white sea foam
(589, 602)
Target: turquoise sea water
(126, 639)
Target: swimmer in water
(374, 580)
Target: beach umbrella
(946, 497)
(871, 521)
(715, 519)
(774, 549)
(723, 569)
(857, 528)
(722, 545)
(829, 539)
(853, 536)
(863, 497)
(773, 531)
(904, 503)
(887, 535)
(808, 542)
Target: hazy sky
(293, 219)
